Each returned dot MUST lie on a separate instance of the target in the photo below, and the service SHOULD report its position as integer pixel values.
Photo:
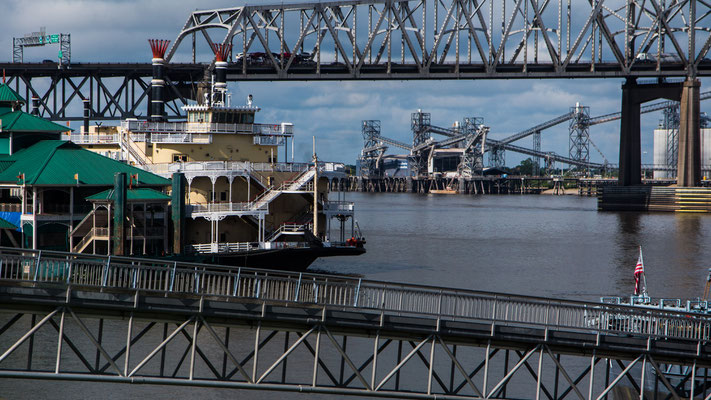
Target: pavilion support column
(145, 226)
(166, 244)
(689, 161)
(133, 223)
(177, 204)
(119, 217)
(630, 147)
(108, 241)
(34, 218)
(93, 227)
(71, 218)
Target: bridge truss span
(146, 321)
(414, 39)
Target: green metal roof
(9, 95)
(5, 224)
(20, 121)
(55, 162)
(142, 194)
(5, 164)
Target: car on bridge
(652, 58)
(261, 59)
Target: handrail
(86, 239)
(194, 166)
(93, 271)
(222, 207)
(84, 220)
(207, 127)
(91, 235)
(288, 227)
(127, 143)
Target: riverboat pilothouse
(242, 206)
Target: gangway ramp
(270, 330)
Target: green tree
(526, 167)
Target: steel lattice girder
(115, 93)
(458, 38)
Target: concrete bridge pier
(630, 148)
(633, 95)
(689, 162)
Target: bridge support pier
(633, 95)
(689, 160)
(630, 147)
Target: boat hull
(287, 259)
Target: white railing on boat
(193, 209)
(113, 138)
(165, 168)
(207, 128)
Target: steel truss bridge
(112, 319)
(392, 39)
(454, 39)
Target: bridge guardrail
(345, 292)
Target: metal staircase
(127, 145)
(86, 228)
(288, 229)
(94, 233)
(290, 186)
(301, 183)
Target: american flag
(638, 272)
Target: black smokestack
(87, 115)
(35, 105)
(222, 54)
(159, 48)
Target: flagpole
(644, 276)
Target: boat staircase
(289, 230)
(95, 226)
(301, 225)
(302, 183)
(258, 178)
(129, 146)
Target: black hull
(289, 259)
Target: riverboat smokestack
(87, 114)
(159, 47)
(222, 54)
(35, 106)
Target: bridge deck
(336, 71)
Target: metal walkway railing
(343, 292)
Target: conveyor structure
(469, 136)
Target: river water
(553, 246)
(556, 246)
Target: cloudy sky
(104, 30)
